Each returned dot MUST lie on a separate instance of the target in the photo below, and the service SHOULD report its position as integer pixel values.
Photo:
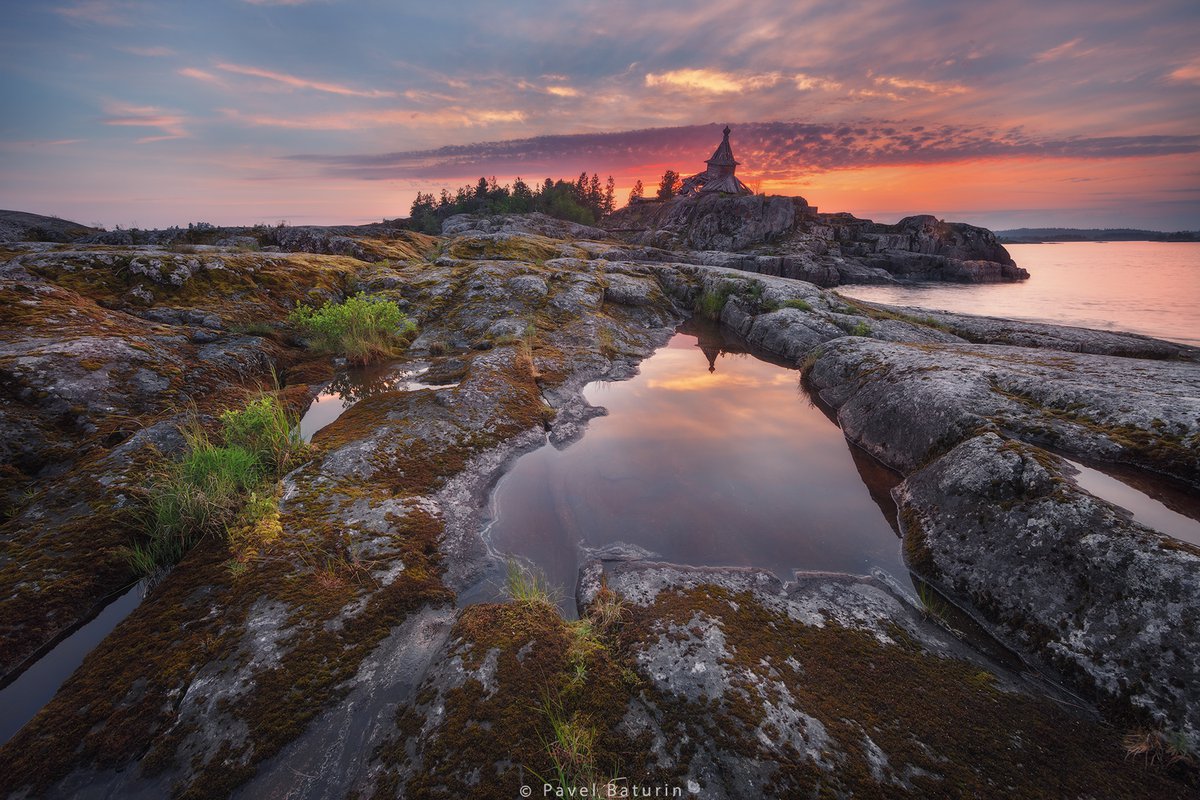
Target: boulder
(1070, 577)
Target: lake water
(709, 456)
(1143, 287)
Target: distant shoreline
(1061, 235)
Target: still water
(709, 456)
(1143, 287)
(26, 695)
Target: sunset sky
(1004, 114)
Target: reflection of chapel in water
(712, 344)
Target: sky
(1078, 113)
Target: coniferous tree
(637, 192)
(522, 197)
(610, 200)
(670, 185)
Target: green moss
(490, 743)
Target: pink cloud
(356, 120)
(301, 83)
(98, 12)
(171, 124)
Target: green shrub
(803, 305)
(861, 329)
(361, 328)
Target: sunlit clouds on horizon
(1007, 114)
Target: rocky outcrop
(537, 223)
(1069, 576)
(19, 226)
(334, 659)
(785, 236)
(709, 222)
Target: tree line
(584, 200)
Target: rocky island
(323, 654)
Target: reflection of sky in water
(1144, 287)
(733, 467)
(353, 385)
(1145, 509)
(25, 696)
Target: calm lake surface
(1142, 287)
(709, 456)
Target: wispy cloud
(169, 123)
(357, 120)
(298, 82)
(98, 12)
(202, 75)
(711, 81)
(556, 89)
(930, 87)
(149, 52)
(1187, 73)
(1068, 48)
(806, 83)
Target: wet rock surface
(333, 660)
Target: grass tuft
(1158, 747)
(527, 587)
(266, 429)
(216, 488)
(607, 611)
(572, 751)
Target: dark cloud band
(771, 150)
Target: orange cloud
(1188, 73)
(809, 82)
(711, 81)
(919, 85)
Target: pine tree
(610, 199)
(669, 186)
(637, 192)
(595, 195)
